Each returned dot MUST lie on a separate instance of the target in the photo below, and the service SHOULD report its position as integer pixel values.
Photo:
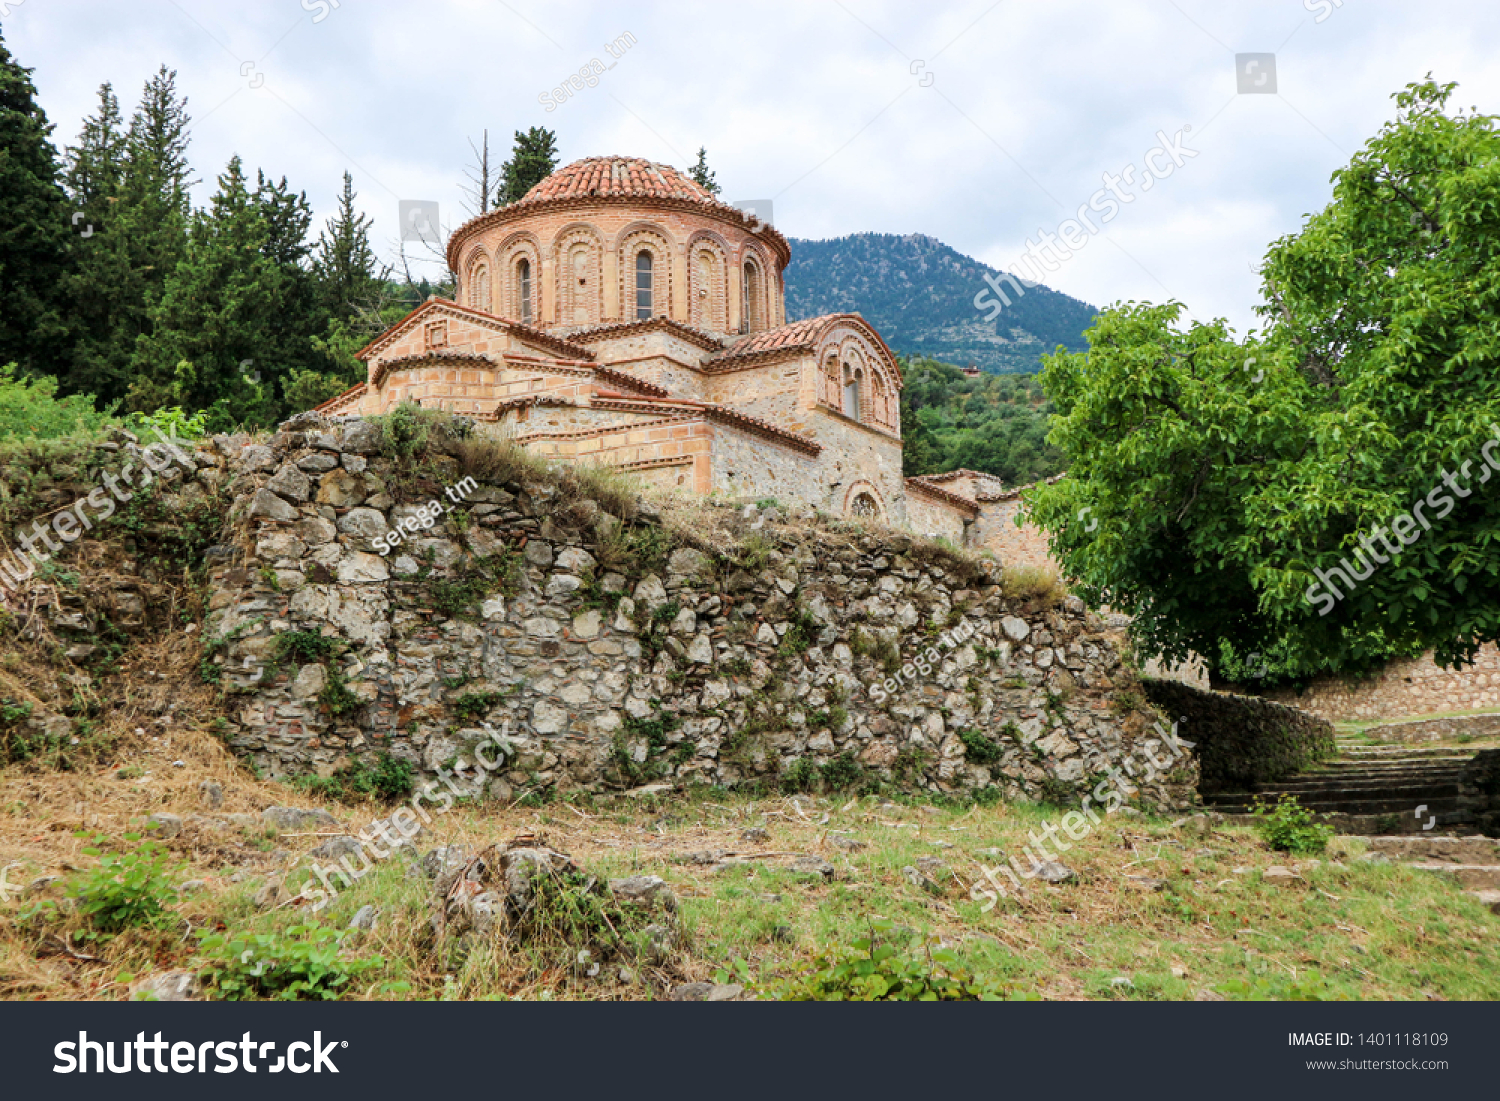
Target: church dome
(617, 178)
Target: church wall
(771, 393)
(996, 530)
(927, 516)
(612, 295)
(854, 454)
(747, 465)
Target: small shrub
(1290, 827)
(128, 890)
(978, 748)
(336, 696)
(305, 647)
(872, 971)
(387, 779)
(843, 772)
(1040, 583)
(303, 963)
(475, 705)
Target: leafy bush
(305, 647)
(304, 963)
(474, 705)
(1311, 987)
(978, 748)
(171, 423)
(877, 972)
(31, 407)
(1291, 827)
(128, 890)
(388, 779)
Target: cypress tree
(532, 160)
(34, 231)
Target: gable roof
(435, 305)
(798, 338)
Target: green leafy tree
(234, 317)
(34, 230)
(532, 160)
(1315, 494)
(702, 175)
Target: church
(621, 314)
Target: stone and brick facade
(620, 314)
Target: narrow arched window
(851, 393)
(523, 280)
(642, 285)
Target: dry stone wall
(811, 655)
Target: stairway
(1474, 862)
(1375, 789)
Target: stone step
(1474, 877)
(1490, 899)
(1452, 850)
(1401, 808)
(1375, 752)
(1364, 825)
(1401, 794)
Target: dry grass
(1042, 584)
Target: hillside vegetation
(920, 294)
(994, 423)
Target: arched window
(523, 282)
(642, 285)
(479, 286)
(852, 380)
(751, 319)
(864, 505)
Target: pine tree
(701, 174)
(234, 316)
(34, 230)
(344, 262)
(532, 160)
(353, 289)
(140, 234)
(101, 271)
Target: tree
(101, 277)
(480, 177)
(355, 293)
(34, 232)
(235, 315)
(1314, 495)
(701, 174)
(532, 160)
(134, 192)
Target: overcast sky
(979, 123)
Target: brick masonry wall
(697, 666)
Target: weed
(129, 890)
(978, 748)
(872, 971)
(303, 963)
(1290, 827)
(387, 779)
(475, 705)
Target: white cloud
(813, 104)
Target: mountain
(920, 294)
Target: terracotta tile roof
(439, 356)
(919, 485)
(347, 398)
(705, 340)
(617, 176)
(434, 304)
(796, 338)
(436, 357)
(721, 413)
(1012, 494)
(615, 179)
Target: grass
(1370, 931)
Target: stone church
(619, 313)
